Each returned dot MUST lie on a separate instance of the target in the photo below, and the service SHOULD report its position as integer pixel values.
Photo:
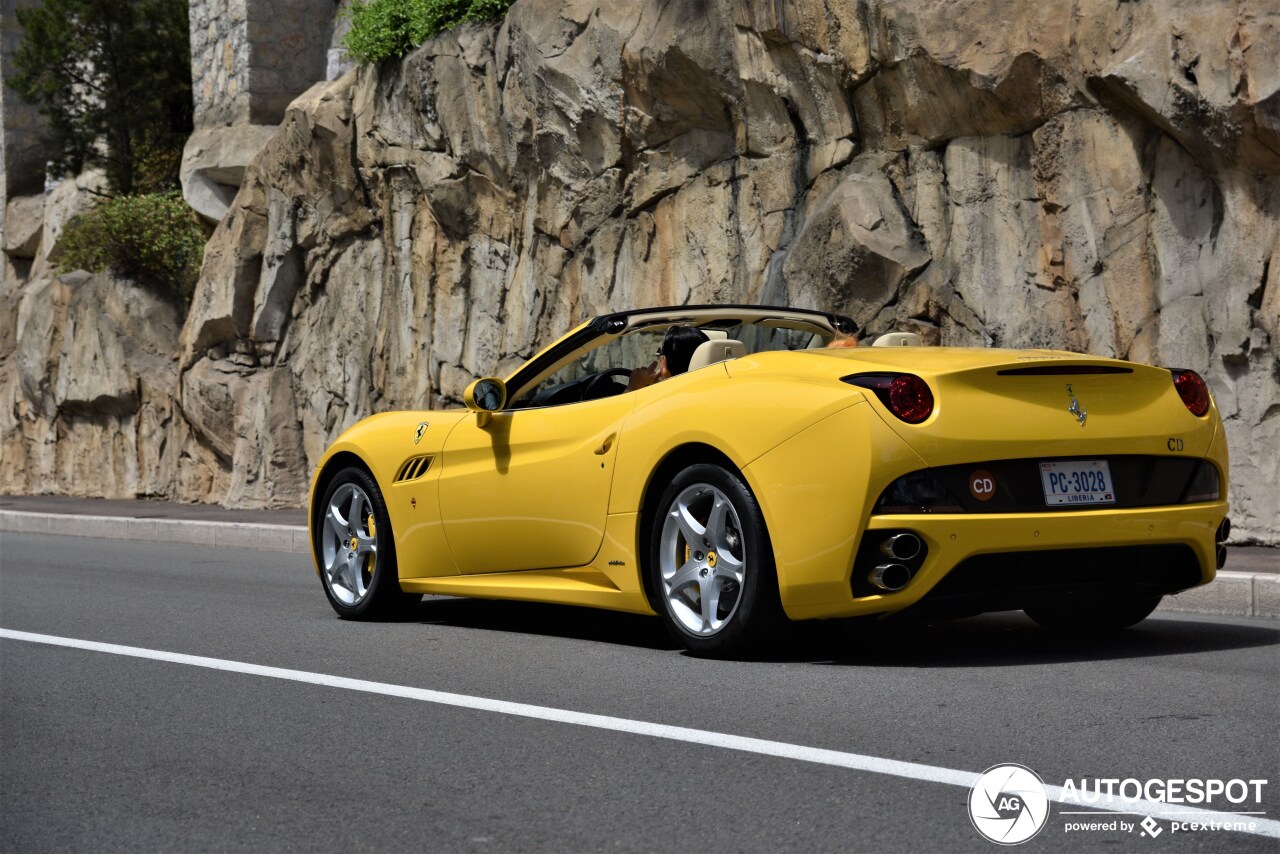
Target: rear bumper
(1002, 560)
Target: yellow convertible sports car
(779, 477)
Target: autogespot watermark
(1010, 804)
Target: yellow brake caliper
(373, 533)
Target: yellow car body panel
(705, 407)
(815, 582)
(611, 582)
(981, 413)
(813, 501)
(548, 503)
(540, 476)
(383, 443)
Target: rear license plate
(1077, 482)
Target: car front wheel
(711, 564)
(357, 553)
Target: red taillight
(910, 398)
(1193, 391)
(905, 395)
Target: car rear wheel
(1093, 616)
(711, 564)
(356, 550)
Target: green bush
(384, 29)
(153, 238)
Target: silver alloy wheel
(702, 559)
(349, 544)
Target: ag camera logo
(1008, 804)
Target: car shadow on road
(991, 640)
(548, 620)
(1005, 640)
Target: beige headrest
(716, 350)
(897, 339)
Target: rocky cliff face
(1102, 177)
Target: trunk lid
(1006, 404)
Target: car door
(530, 488)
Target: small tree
(114, 81)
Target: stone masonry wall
(220, 62)
(288, 47)
(250, 58)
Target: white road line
(760, 746)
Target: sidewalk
(156, 522)
(145, 509)
(1249, 585)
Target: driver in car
(673, 357)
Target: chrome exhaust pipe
(890, 577)
(1220, 539)
(901, 547)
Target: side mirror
(484, 397)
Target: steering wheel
(596, 386)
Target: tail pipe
(890, 577)
(887, 561)
(904, 546)
(1220, 539)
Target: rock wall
(1102, 177)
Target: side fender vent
(413, 468)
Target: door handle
(606, 445)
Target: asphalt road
(105, 752)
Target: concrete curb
(1232, 594)
(273, 538)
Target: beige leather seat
(716, 350)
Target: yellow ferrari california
(769, 473)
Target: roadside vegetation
(387, 29)
(153, 238)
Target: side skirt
(612, 580)
(563, 587)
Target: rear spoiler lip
(1062, 370)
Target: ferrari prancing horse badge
(1075, 408)
(422, 428)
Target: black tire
(1093, 616)
(751, 615)
(360, 584)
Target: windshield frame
(604, 328)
